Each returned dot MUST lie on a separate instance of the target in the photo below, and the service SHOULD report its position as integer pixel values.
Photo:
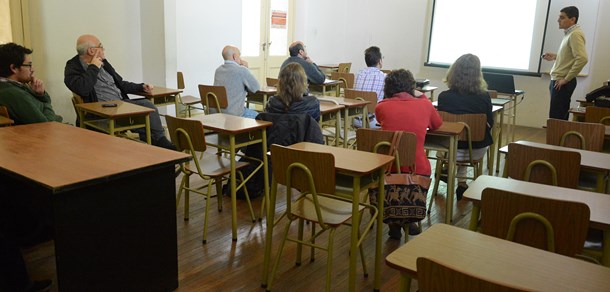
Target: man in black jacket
(91, 76)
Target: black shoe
(39, 286)
(395, 231)
(414, 229)
(459, 192)
(164, 143)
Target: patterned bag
(405, 193)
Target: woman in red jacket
(404, 109)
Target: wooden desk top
(347, 102)
(58, 156)
(499, 261)
(268, 90)
(327, 107)
(229, 124)
(588, 159)
(448, 129)
(159, 92)
(500, 101)
(329, 66)
(4, 121)
(427, 88)
(121, 110)
(494, 108)
(348, 160)
(598, 203)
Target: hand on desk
(148, 88)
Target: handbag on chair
(405, 193)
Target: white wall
(148, 40)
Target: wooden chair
(554, 225)
(475, 126)
(370, 96)
(546, 166)
(213, 97)
(313, 174)
(346, 78)
(272, 81)
(586, 136)
(379, 141)
(4, 113)
(596, 114)
(344, 68)
(434, 276)
(188, 135)
(188, 101)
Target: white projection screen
(507, 35)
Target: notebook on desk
(502, 83)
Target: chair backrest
(475, 124)
(596, 114)
(77, 99)
(4, 112)
(213, 97)
(569, 220)
(345, 68)
(565, 163)
(180, 80)
(321, 166)
(434, 276)
(586, 136)
(272, 81)
(186, 134)
(364, 95)
(386, 71)
(368, 139)
(346, 78)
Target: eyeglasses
(27, 65)
(100, 46)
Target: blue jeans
(249, 113)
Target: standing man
(20, 92)
(91, 76)
(569, 60)
(238, 80)
(371, 78)
(298, 54)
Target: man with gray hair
(298, 54)
(237, 79)
(90, 75)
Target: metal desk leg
(233, 182)
(353, 256)
(379, 235)
(345, 126)
(147, 123)
(269, 232)
(474, 216)
(405, 283)
(499, 143)
(606, 249)
(451, 179)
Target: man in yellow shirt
(569, 60)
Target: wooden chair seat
(216, 166)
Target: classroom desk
(234, 133)
(358, 165)
(328, 83)
(426, 89)
(113, 203)
(352, 108)
(261, 96)
(125, 116)
(329, 68)
(4, 121)
(163, 96)
(497, 260)
(445, 139)
(512, 100)
(599, 204)
(598, 162)
(496, 133)
(578, 113)
(329, 113)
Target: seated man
(298, 54)
(371, 78)
(92, 77)
(22, 93)
(237, 79)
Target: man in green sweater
(569, 60)
(22, 93)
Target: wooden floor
(224, 265)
